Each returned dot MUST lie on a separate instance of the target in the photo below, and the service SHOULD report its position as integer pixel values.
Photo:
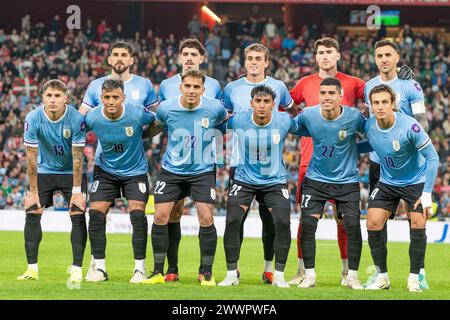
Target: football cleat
(229, 281)
(138, 276)
(207, 279)
(267, 277)
(308, 282)
(279, 282)
(76, 275)
(154, 278)
(343, 278)
(414, 286)
(29, 275)
(423, 282)
(352, 283)
(97, 276)
(380, 283)
(297, 279)
(171, 275)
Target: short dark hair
(121, 44)
(192, 43)
(194, 74)
(383, 88)
(111, 84)
(387, 42)
(258, 47)
(332, 82)
(263, 90)
(327, 42)
(55, 84)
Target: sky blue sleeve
(226, 99)
(301, 128)
(415, 93)
(88, 119)
(218, 91)
(89, 97)
(147, 117)
(432, 163)
(162, 88)
(294, 126)
(285, 99)
(160, 117)
(79, 131)
(151, 98)
(30, 137)
(418, 136)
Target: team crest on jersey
(276, 138)
(94, 186)
(396, 145)
(213, 193)
(342, 134)
(66, 133)
(142, 187)
(285, 193)
(129, 131)
(205, 122)
(135, 94)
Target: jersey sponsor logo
(416, 128)
(276, 138)
(285, 193)
(66, 133)
(129, 131)
(142, 187)
(95, 186)
(396, 145)
(135, 94)
(205, 122)
(342, 134)
(213, 193)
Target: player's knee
(309, 226)
(374, 225)
(206, 220)
(33, 218)
(281, 217)
(235, 214)
(417, 221)
(352, 223)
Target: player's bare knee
(418, 221)
(176, 213)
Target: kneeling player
(260, 173)
(123, 167)
(332, 174)
(187, 169)
(55, 132)
(409, 165)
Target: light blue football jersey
(260, 148)
(170, 88)
(189, 148)
(139, 91)
(398, 148)
(237, 94)
(335, 155)
(55, 138)
(121, 139)
(408, 97)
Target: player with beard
(139, 91)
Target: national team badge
(342, 134)
(129, 131)
(276, 138)
(135, 94)
(396, 145)
(66, 133)
(205, 122)
(142, 187)
(285, 193)
(213, 193)
(94, 186)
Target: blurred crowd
(37, 52)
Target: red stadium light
(211, 14)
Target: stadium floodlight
(210, 13)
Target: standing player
(138, 91)
(187, 169)
(332, 174)
(306, 90)
(409, 100)
(122, 167)
(260, 173)
(54, 139)
(409, 165)
(191, 54)
(237, 95)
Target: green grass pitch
(55, 257)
